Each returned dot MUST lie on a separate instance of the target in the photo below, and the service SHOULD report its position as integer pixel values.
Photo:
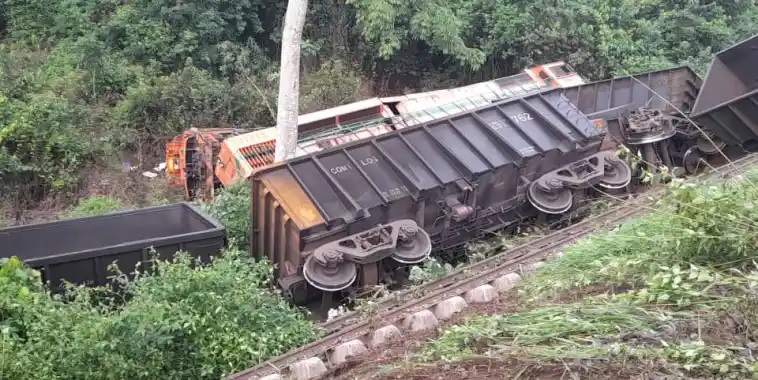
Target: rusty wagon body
(351, 215)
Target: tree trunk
(289, 80)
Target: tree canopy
(82, 80)
(85, 82)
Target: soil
(487, 369)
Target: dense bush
(333, 84)
(181, 322)
(168, 105)
(96, 205)
(709, 224)
(133, 74)
(49, 156)
(718, 221)
(231, 207)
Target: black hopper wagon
(359, 214)
(80, 250)
(727, 105)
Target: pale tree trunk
(289, 80)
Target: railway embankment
(670, 295)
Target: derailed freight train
(648, 113)
(357, 214)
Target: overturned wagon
(648, 112)
(357, 214)
(728, 103)
(671, 90)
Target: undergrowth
(231, 206)
(701, 223)
(181, 321)
(674, 293)
(96, 205)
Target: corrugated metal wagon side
(80, 250)
(647, 112)
(365, 210)
(607, 99)
(728, 102)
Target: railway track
(421, 308)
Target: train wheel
(413, 247)
(691, 160)
(555, 201)
(617, 174)
(329, 279)
(708, 148)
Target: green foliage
(431, 269)
(573, 337)
(168, 105)
(334, 83)
(705, 224)
(96, 205)
(542, 333)
(52, 155)
(718, 221)
(673, 285)
(393, 25)
(181, 322)
(167, 34)
(599, 37)
(19, 284)
(32, 21)
(84, 69)
(139, 72)
(231, 207)
(218, 317)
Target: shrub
(96, 205)
(44, 141)
(333, 84)
(232, 208)
(717, 222)
(181, 322)
(157, 110)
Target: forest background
(89, 85)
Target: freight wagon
(358, 214)
(728, 101)
(80, 250)
(669, 90)
(647, 112)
